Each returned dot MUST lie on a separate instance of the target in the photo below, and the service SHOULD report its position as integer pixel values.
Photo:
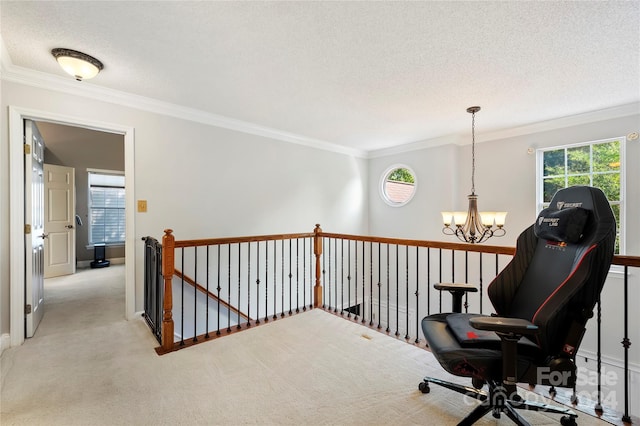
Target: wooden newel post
(317, 250)
(168, 257)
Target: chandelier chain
(473, 152)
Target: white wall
(204, 181)
(436, 171)
(505, 180)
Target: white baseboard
(87, 263)
(5, 342)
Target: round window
(398, 185)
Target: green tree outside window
(593, 164)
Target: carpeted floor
(86, 365)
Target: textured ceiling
(365, 75)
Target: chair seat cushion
(475, 355)
(469, 336)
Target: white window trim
(91, 246)
(103, 172)
(383, 179)
(623, 180)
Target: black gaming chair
(543, 299)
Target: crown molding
(416, 146)
(12, 73)
(15, 74)
(619, 111)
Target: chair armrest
(516, 326)
(457, 290)
(461, 287)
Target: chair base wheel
(424, 387)
(477, 383)
(568, 421)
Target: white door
(34, 227)
(59, 218)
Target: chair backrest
(559, 268)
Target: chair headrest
(563, 225)
(581, 210)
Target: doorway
(17, 264)
(87, 151)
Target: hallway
(87, 299)
(84, 357)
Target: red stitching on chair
(533, 320)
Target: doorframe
(17, 266)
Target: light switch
(142, 206)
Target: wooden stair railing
(170, 245)
(188, 280)
(168, 259)
(168, 270)
(320, 242)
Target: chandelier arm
(462, 236)
(500, 232)
(488, 233)
(448, 231)
(477, 223)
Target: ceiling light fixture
(471, 226)
(77, 64)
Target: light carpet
(87, 365)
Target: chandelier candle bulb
(447, 218)
(488, 218)
(501, 217)
(459, 218)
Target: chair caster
(568, 421)
(477, 383)
(424, 387)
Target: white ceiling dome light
(77, 64)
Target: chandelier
(473, 226)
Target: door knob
(69, 226)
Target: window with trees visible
(597, 163)
(398, 185)
(106, 208)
